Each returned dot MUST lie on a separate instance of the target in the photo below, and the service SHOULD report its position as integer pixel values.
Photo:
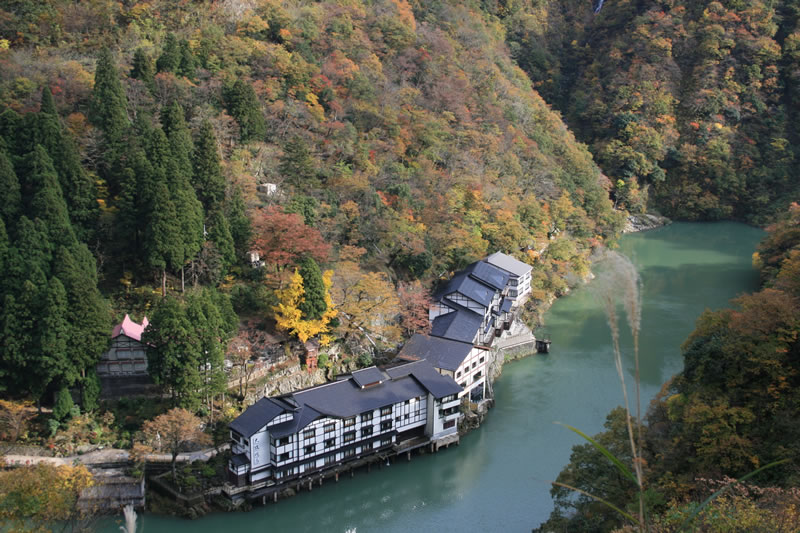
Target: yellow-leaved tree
(289, 315)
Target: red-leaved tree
(283, 238)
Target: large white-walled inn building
(283, 438)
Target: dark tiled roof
(506, 305)
(460, 325)
(508, 263)
(256, 416)
(368, 376)
(469, 287)
(344, 398)
(303, 417)
(488, 274)
(441, 353)
(240, 459)
(438, 385)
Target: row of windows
(474, 366)
(328, 460)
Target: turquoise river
(497, 479)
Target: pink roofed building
(127, 355)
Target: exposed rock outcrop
(645, 222)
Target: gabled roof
(129, 328)
(441, 353)
(368, 376)
(342, 399)
(256, 416)
(422, 371)
(461, 325)
(488, 274)
(506, 304)
(509, 264)
(469, 287)
(303, 417)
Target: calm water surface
(498, 477)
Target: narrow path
(109, 455)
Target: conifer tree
(47, 202)
(12, 196)
(172, 353)
(188, 63)
(170, 58)
(51, 361)
(239, 222)
(243, 105)
(219, 232)
(143, 68)
(179, 137)
(87, 337)
(108, 103)
(163, 246)
(212, 337)
(31, 253)
(208, 179)
(77, 187)
(297, 165)
(314, 303)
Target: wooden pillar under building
(264, 500)
(320, 480)
(351, 473)
(337, 477)
(309, 485)
(275, 496)
(409, 455)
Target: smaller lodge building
(127, 355)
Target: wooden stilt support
(264, 500)
(275, 496)
(320, 480)
(351, 473)
(309, 485)
(337, 477)
(409, 455)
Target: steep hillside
(386, 141)
(695, 100)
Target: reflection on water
(499, 476)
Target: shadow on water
(498, 478)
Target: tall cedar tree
(188, 64)
(297, 165)
(143, 68)
(9, 184)
(173, 353)
(243, 105)
(47, 202)
(241, 230)
(178, 166)
(208, 179)
(88, 337)
(78, 188)
(170, 58)
(219, 232)
(107, 109)
(313, 305)
(50, 361)
(163, 246)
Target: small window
(349, 453)
(366, 431)
(309, 434)
(481, 361)
(330, 443)
(311, 465)
(349, 421)
(397, 419)
(366, 417)
(350, 436)
(386, 411)
(329, 460)
(405, 417)
(284, 441)
(330, 428)
(463, 384)
(386, 442)
(474, 364)
(386, 425)
(311, 448)
(285, 456)
(458, 374)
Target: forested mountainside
(148, 147)
(731, 410)
(694, 100)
